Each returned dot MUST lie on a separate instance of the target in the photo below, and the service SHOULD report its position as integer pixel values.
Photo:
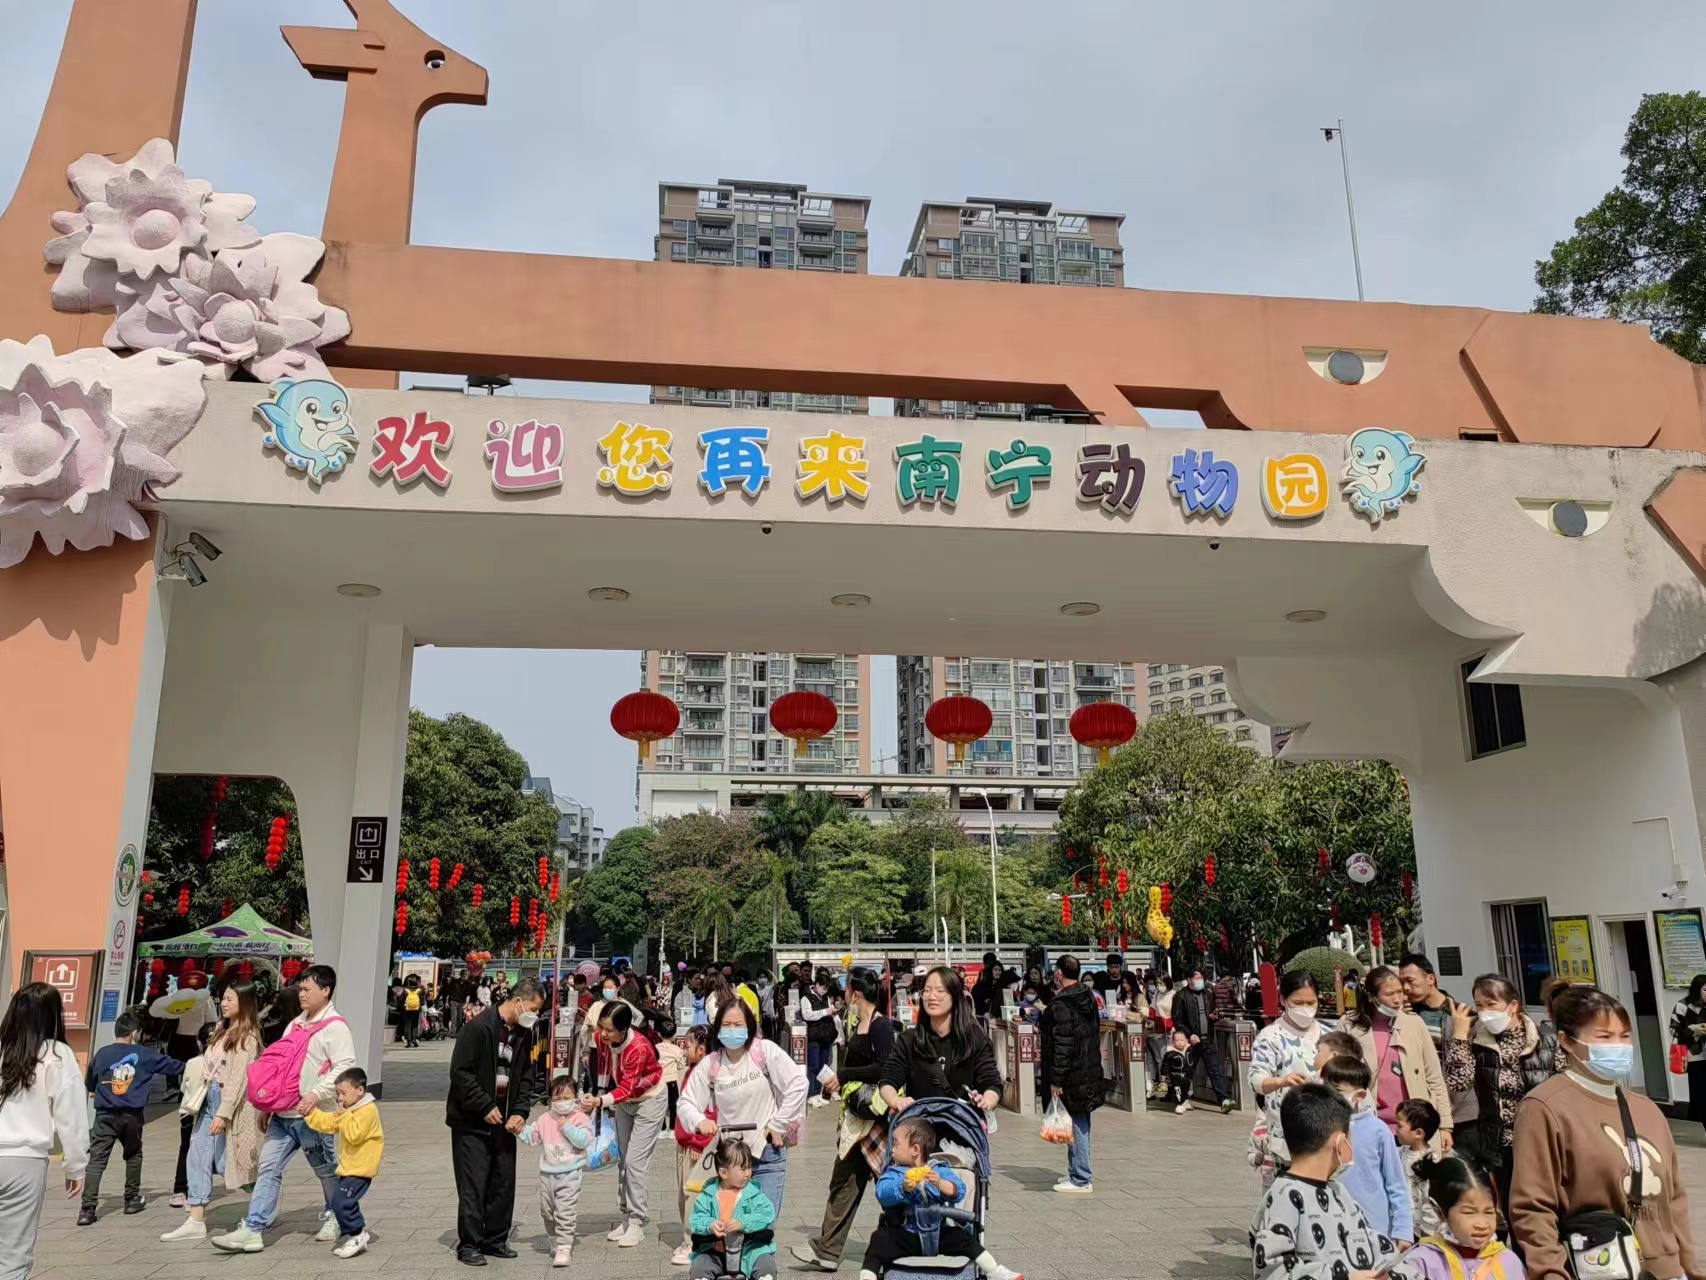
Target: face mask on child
(563, 1106)
(732, 1037)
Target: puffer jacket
(1477, 1062)
(1072, 1048)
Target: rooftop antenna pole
(1338, 131)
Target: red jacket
(637, 1071)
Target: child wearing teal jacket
(732, 1201)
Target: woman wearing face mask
(1283, 1054)
(1571, 1154)
(637, 1101)
(1399, 1050)
(750, 1082)
(870, 1040)
(1500, 1053)
(592, 1055)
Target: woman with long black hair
(42, 1097)
(947, 1055)
(868, 1044)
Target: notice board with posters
(1682, 945)
(1572, 950)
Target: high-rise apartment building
(725, 711)
(1031, 701)
(580, 843)
(1202, 691)
(1015, 242)
(779, 226)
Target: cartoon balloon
(1360, 868)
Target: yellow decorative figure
(636, 457)
(835, 466)
(1160, 928)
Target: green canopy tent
(242, 933)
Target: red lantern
(275, 842)
(432, 875)
(219, 785)
(226, 908)
(147, 877)
(556, 885)
(479, 894)
(455, 875)
(645, 717)
(1338, 918)
(514, 912)
(1166, 899)
(958, 720)
(803, 717)
(1065, 912)
(156, 966)
(1121, 884)
(1208, 870)
(1102, 872)
(1103, 725)
(1077, 887)
(1107, 906)
(544, 871)
(1407, 885)
(184, 901)
(402, 918)
(148, 899)
(533, 913)
(1322, 862)
(403, 876)
(1375, 938)
(289, 969)
(1198, 941)
(246, 971)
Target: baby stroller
(963, 1140)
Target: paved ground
(1173, 1199)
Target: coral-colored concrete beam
(1238, 360)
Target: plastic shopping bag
(1057, 1125)
(604, 1151)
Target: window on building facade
(1196, 682)
(1219, 695)
(818, 206)
(1217, 677)
(1175, 684)
(1155, 686)
(1155, 668)
(1075, 222)
(678, 251)
(1495, 715)
(1196, 699)
(1156, 708)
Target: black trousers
(848, 1177)
(409, 1027)
(890, 1244)
(181, 1178)
(1204, 1052)
(484, 1163)
(124, 1128)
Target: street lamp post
(1330, 133)
(994, 888)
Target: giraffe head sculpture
(395, 74)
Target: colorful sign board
(75, 975)
(1572, 950)
(1682, 946)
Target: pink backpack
(275, 1078)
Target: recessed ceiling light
(1081, 609)
(1306, 615)
(358, 590)
(613, 594)
(850, 600)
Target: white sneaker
(1226, 1105)
(560, 1258)
(618, 1231)
(328, 1233)
(188, 1229)
(1005, 1273)
(634, 1234)
(245, 1239)
(1067, 1187)
(819, 1101)
(1181, 1108)
(179, 1201)
(810, 1256)
(349, 1248)
(683, 1255)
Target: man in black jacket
(493, 1083)
(1193, 1013)
(1072, 1065)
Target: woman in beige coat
(1399, 1050)
(228, 1130)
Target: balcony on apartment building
(706, 669)
(702, 695)
(703, 722)
(719, 233)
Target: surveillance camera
(1214, 544)
(766, 527)
(205, 546)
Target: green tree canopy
(1640, 253)
(615, 896)
(857, 890)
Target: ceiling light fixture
(614, 595)
(1081, 609)
(358, 590)
(850, 600)
(1306, 615)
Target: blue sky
(1477, 133)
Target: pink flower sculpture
(141, 217)
(81, 438)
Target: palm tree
(711, 910)
(961, 888)
(786, 824)
(775, 870)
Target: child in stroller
(933, 1205)
(733, 1222)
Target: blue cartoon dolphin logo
(1380, 472)
(308, 422)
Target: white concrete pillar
(365, 930)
